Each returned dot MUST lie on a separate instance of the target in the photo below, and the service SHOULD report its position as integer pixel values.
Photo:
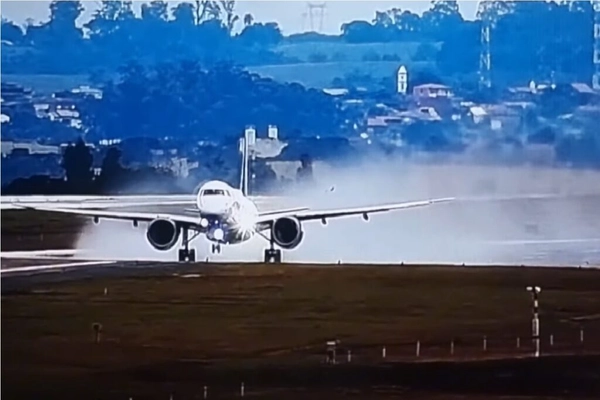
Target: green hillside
(335, 60)
(340, 51)
(321, 75)
(46, 84)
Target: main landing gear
(186, 254)
(272, 255)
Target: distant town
(430, 88)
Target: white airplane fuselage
(226, 215)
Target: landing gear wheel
(272, 256)
(187, 255)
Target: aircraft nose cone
(213, 205)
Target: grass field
(322, 74)
(319, 75)
(351, 51)
(343, 58)
(47, 84)
(231, 323)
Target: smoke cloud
(496, 218)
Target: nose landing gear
(215, 248)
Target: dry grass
(244, 317)
(34, 230)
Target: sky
(290, 14)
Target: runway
(532, 230)
(576, 253)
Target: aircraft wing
(276, 213)
(87, 205)
(309, 215)
(121, 215)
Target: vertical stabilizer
(244, 170)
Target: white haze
(444, 233)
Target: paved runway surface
(539, 230)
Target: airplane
(226, 216)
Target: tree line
(79, 178)
(528, 38)
(114, 178)
(186, 101)
(202, 30)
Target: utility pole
(596, 50)
(535, 321)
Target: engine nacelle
(163, 234)
(287, 232)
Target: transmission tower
(316, 11)
(489, 11)
(485, 58)
(596, 77)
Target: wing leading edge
(121, 215)
(310, 215)
(264, 219)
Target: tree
(230, 18)
(362, 32)
(248, 19)
(112, 171)
(579, 151)
(157, 10)
(261, 34)
(77, 163)
(425, 52)
(11, 32)
(63, 17)
(183, 14)
(545, 135)
(110, 25)
(395, 24)
(566, 52)
(460, 51)
(383, 18)
(408, 22)
(304, 173)
(442, 18)
(63, 14)
(229, 97)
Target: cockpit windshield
(215, 192)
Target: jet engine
(287, 232)
(163, 234)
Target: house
(503, 117)
(438, 97)
(13, 93)
(478, 114)
(27, 147)
(66, 115)
(432, 91)
(87, 91)
(336, 92)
